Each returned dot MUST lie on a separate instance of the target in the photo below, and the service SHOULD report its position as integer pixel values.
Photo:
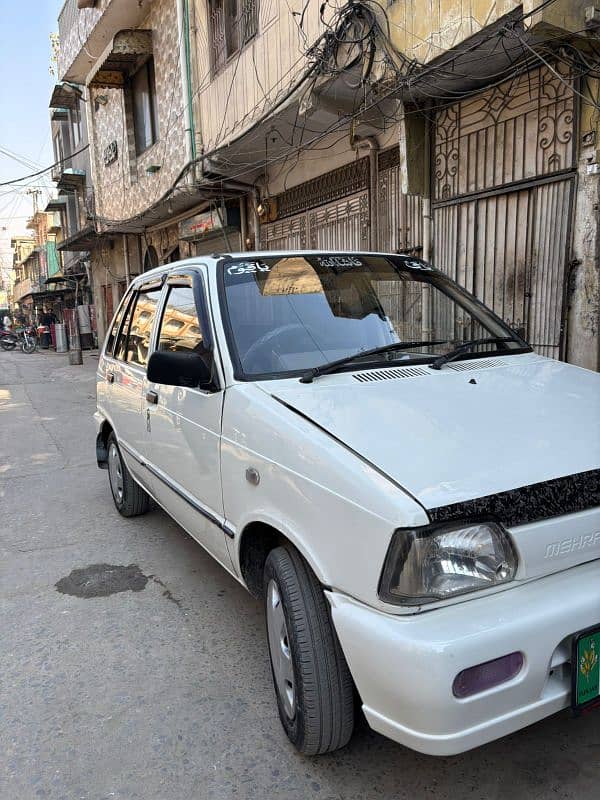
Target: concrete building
(21, 247)
(74, 204)
(465, 133)
(140, 148)
(35, 259)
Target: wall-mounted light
(152, 169)
(100, 100)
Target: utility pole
(35, 193)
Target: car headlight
(437, 561)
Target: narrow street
(162, 691)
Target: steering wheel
(259, 356)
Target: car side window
(121, 347)
(115, 327)
(134, 339)
(180, 329)
(140, 329)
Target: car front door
(184, 424)
(126, 376)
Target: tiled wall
(123, 188)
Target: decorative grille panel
(331, 186)
(521, 129)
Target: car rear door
(126, 377)
(185, 424)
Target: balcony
(26, 286)
(85, 33)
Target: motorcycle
(8, 340)
(24, 337)
(28, 339)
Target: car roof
(213, 259)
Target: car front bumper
(404, 666)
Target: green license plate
(586, 668)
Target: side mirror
(179, 369)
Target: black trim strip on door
(531, 503)
(227, 530)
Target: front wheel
(312, 681)
(130, 499)
(29, 345)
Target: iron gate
(343, 225)
(502, 200)
(400, 215)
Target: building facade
(465, 134)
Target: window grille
(233, 23)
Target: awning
(84, 239)
(127, 51)
(45, 294)
(169, 210)
(59, 114)
(56, 204)
(65, 95)
(71, 179)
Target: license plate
(586, 668)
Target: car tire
(313, 685)
(130, 499)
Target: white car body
(346, 460)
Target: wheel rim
(279, 645)
(115, 471)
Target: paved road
(164, 693)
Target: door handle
(152, 397)
(110, 377)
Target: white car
(411, 489)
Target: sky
(25, 89)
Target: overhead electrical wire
(42, 171)
(320, 63)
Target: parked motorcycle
(8, 340)
(28, 339)
(24, 337)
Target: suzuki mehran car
(412, 491)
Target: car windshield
(288, 314)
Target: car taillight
(487, 675)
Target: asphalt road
(163, 691)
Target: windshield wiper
(439, 362)
(331, 366)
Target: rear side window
(121, 347)
(180, 330)
(134, 340)
(110, 342)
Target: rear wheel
(130, 499)
(312, 681)
(10, 345)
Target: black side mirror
(180, 369)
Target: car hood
(469, 430)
